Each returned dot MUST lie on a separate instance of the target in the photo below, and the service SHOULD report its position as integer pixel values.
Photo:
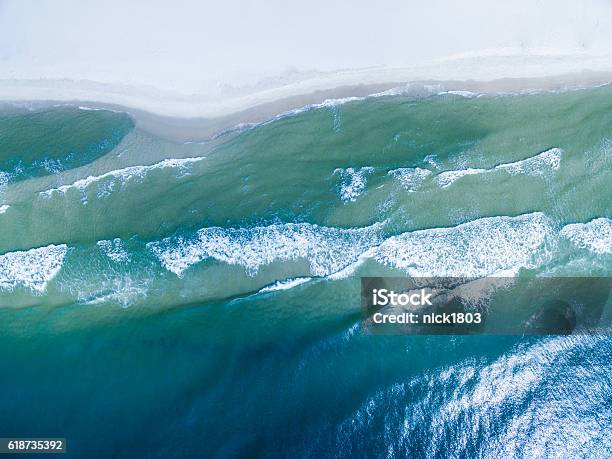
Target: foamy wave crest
(285, 284)
(478, 248)
(352, 182)
(5, 178)
(32, 268)
(351, 268)
(115, 250)
(487, 246)
(4, 208)
(447, 178)
(122, 175)
(595, 235)
(327, 250)
(414, 89)
(537, 165)
(410, 178)
(466, 94)
(327, 103)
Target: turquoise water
(170, 300)
(43, 142)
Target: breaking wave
(490, 246)
(537, 165)
(121, 176)
(32, 269)
(115, 250)
(410, 178)
(285, 284)
(352, 182)
(327, 250)
(478, 248)
(595, 235)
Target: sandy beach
(182, 74)
(179, 117)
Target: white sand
(192, 59)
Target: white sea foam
(350, 269)
(327, 103)
(92, 109)
(352, 182)
(32, 268)
(536, 165)
(595, 235)
(410, 178)
(483, 247)
(115, 250)
(403, 90)
(327, 250)
(112, 287)
(447, 178)
(466, 94)
(540, 164)
(285, 284)
(4, 208)
(432, 160)
(122, 175)
(478, 248)
(5, 178)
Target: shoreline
(173, 117)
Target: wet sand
(149, 114)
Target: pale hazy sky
(196, 44)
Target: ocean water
(202, 299)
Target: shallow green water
(48, 141)
(162, 299)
